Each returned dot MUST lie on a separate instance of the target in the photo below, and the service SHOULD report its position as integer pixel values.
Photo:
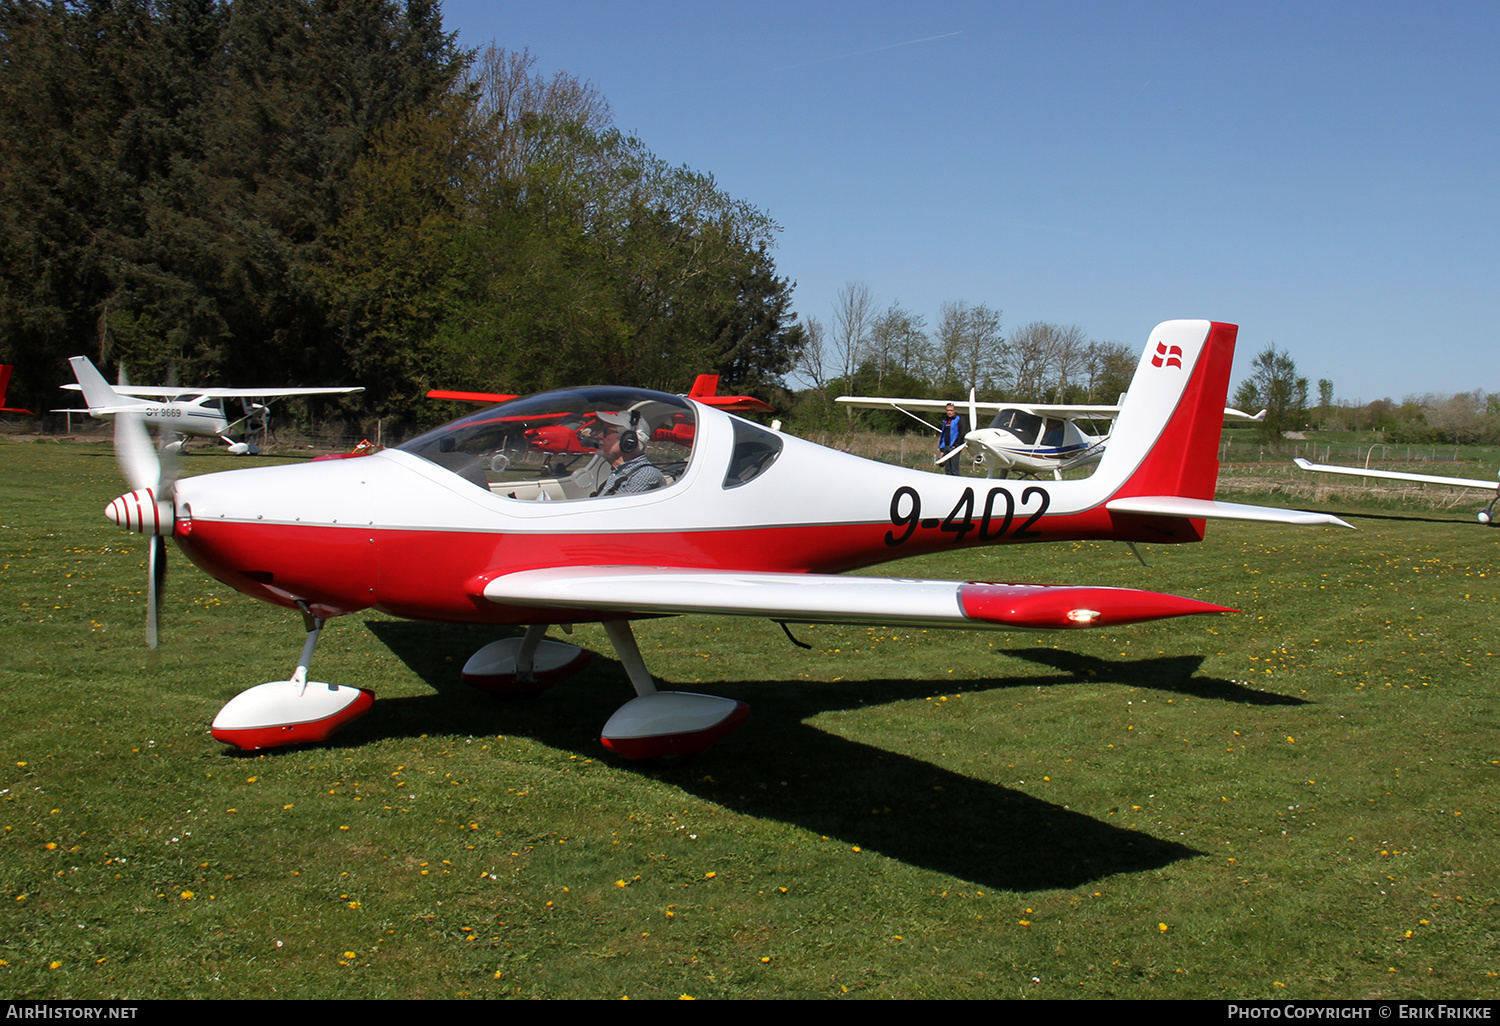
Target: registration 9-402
(995, 520)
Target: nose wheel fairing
(280, 713)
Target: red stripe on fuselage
(440, 575)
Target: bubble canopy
(551, 446)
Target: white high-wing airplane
(1486, 515)
(669, 506)
(1029, 439)
(185, 411)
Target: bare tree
(1032, 354)
(971, 351)
(1460, 418)
(953, 319)
(853, 315)
(1109, 368)
(984, 349)
(1069, 355)
(810, 361)
(897, 343)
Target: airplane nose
(143, 512)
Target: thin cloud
(873, 49)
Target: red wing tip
(1040, 607)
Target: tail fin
(1166, 438)
(1163, 455)
(5, 370)
(96, 391)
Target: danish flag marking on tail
(1170, 355)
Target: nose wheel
(292, 711)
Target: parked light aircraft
(471, 523)
(1027, 439)
(185, 411)
(1486, 515)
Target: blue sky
(1322, 174)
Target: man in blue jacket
(952, 437)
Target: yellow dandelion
(187, 895)
(1162, 927)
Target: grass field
(1296, 801)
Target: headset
(630, 440)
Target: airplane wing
(1394, 475)
(181, 392)
(911, 407)
(494, 398)
(820, 598)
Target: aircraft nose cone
(142, 511)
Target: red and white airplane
(473, 523)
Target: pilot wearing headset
(621, 436)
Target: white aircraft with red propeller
(1486, 516)
(179, 410)
(477, 522)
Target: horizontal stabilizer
(1182, 506)
(817, 598)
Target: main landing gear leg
(663, 724)
(292, 711)
(523, 666)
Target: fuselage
(399, 532)
(202, 416)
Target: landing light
(1083, 616)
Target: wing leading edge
(616, 592)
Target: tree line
(269, 192)
(1274, 385)
(866, 350)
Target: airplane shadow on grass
(779, 767)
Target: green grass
(1294, 801)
